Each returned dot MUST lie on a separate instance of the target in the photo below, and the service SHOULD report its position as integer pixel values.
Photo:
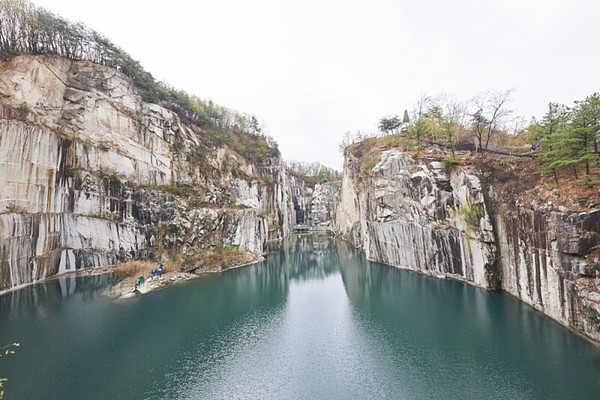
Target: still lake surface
(314, 321)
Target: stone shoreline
(125, 288)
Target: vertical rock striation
(418, 216)
(90, 175)
(421, 215)
(323, 202)
(547, 261)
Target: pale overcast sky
(314, 69)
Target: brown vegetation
(514, 177)
(136, 268)
(361, 149)
(217, 259)
(519, 178)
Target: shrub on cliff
(28, 29)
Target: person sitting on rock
(157, 271)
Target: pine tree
(586, 128)
(557, 145)
(419, 129)
(389, 124)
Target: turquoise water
(314, 321)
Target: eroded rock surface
(421, 215)
(92, 176)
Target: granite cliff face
(420, 217)
(446, 222)
(323, 203)
(548, 261)
(91, 175)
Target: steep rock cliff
(546, 260)
(91, 175)
(420, 217)
(300, 196)
(444, 221)
(323, 203)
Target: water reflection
(54, 291)
(70, 332)
(314, 320)
(481, 342)
(306, 256)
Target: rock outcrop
(419, 217)
(323, 203)
(446, 222)
(91, 175)
(301, 197)
(546, 261)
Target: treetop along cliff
(530, 161)
(28, 29)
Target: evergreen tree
(405, 118)
(419, 129)
(586, 128)
(389, 124)
(557, 145)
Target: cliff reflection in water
(314, 320)
(55, 291)
(306, 257)
(70, 332)
(489, 342)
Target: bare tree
(350, 138)
(346, 141)
(518, 125)
(452, 113)
(489, 114)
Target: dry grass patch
(367, 146)
(217, 259)
(137, 268)
(368, 163)
(519, 178)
